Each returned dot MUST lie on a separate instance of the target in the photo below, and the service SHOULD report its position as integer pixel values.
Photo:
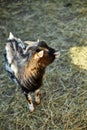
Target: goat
(26, 65)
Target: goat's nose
(57, 54)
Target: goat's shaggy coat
(26, 65)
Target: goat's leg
(29, 99)
(30, 103)
(37, 96)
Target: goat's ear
(39, 54)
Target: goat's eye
(38, 50)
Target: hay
(64, 91)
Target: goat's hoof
(38, 102)
(31, 107)
(31, 110)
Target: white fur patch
(9, 55)
(14, 68)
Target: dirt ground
(63, 25)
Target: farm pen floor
(64, 92)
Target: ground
(63, 25)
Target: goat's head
(42, 53)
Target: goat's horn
(29, 48)
(31, 43)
